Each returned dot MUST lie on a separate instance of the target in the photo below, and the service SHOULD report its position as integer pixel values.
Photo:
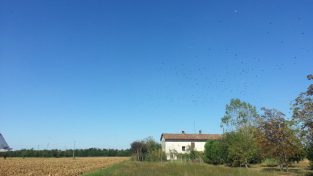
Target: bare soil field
(54, 166)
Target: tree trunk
(286, 162)
(138, 157)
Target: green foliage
(156, 155)
(235, 149)
(303, 115)
(250, 137)
(309, 154)
(242, 148)
(240, 121)
(270, 162)
(139, 150)
(238, 114)
(215, 152)
(277, 138)
(192, 156)
(147, 150)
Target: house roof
(195, 137)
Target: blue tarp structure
(3, 144)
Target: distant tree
(239, 123)
(303, 115)
(277, 138)
(91, 152)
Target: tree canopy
(239, 123)
(303, 115)
(238, 114)
(277, 138)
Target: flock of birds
(210, 78)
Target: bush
(215, 152)
(192, 156)
(311, 165)
(146, 150)
(309, 154)
(269, 162)
(156, 155)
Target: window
(183, 148)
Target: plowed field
(54, 166)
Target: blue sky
(105, 73)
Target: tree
(303, 115)
(68, 153)
(238, 114)
(139, 149)
(151, 144)
(242, 148)
(154, 151)
(239, 122)
(277, 138)
(147, 150)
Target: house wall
(168, 146)
(163, 144)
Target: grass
(131, 168)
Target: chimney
(183, 132)
(200, 131)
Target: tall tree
(239, 122)
(238, 114)
(303, 115)
(277, 138)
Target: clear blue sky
(105, 73)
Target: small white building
(182, 143)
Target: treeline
(91, 152)
(251, 137)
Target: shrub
(156, 155)
(215, 152)
(146, 150)
(270, 162)
(309, 154)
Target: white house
(182, 143)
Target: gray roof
(3, 144)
